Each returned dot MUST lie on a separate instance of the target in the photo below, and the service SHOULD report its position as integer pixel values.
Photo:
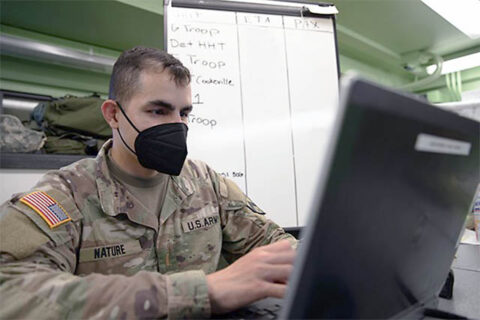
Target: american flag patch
(49, 209)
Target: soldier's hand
(261, 273)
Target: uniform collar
(115, 199)
(177, 193)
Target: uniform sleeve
(244, 224)
(37, 266)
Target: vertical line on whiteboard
(291, 119)
(241, 102)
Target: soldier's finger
(275, 290)
(277, 273)
(281, 257)
(278, 246)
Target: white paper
(469, 237)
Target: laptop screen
(391, 203)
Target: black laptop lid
(392, 201)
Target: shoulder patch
(19, 236)
(47, 208)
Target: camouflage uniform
(15, 137)
(112, 260)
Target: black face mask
(162, 147)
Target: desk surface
(466, 288)
(467, 258)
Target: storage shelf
(37, 160)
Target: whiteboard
(265, 91)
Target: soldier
(139, 232)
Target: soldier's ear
(109, 111)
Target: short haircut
(128, 67)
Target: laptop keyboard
(263, 309)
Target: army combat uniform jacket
(79, 245)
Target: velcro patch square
(47, 207)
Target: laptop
(398, 181)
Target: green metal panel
(48, 75)
(155, 6)
(56, 41)
(401, 26)
(372, 72)
(440, 92)
(116, 25)
(19, 74)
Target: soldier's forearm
(31, 290)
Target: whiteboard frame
(260, 8)
(237, 6)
